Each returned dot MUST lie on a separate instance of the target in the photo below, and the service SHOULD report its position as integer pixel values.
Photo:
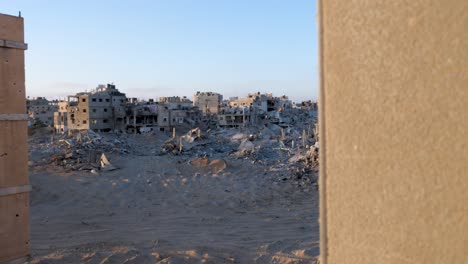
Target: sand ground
(162, 209)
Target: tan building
(255, 100)
(176, 102)
(235, 116)
(160, 116)
(60, 117)
(209, 103)
(101, 110)
(41, 110)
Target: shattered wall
(208, 102)
(394, 131)
(14, 183)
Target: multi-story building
(208, 102)
(101, 110)
(254, 100)
(41, 110)
(60, 117)
(175, 102)
(238, 116)
(160, 116)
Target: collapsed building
(107, 109)
(162, 116)
(254, 109)
(208, 102)
(263, 102)
(40, 110)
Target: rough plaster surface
(394, 122)
(14, 208)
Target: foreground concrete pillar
(394, 140)
(14, 184)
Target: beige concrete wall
(14, 183)
(394, 140)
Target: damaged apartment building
(168, 113)
(41, 111)
(254, 109)
(208, 102)
(107, 109)
(102, 109)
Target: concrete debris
(105, 164)
(215, 166)
(289, 150)
(79, 152)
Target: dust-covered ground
(166, 208)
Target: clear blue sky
(170, 47)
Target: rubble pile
(81, 152)
(288, 150)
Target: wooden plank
(14, 226)
(13, 154)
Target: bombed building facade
(208, 102)
(102, 109)
(40, 110)
(61, 117)
(168, 113)
(107, 109)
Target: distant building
(60, 117)
(209, 103)
(41, 110)
(307, 105)
(235, 116)
(101, 110)
(162, 116)
(254, 100)
(175, 102)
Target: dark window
(94, 110)
(105, 109)
(104, 121)
(84, 110)
(94, 99)
(121, 100)
(100, 99)
(165, 119)
(83, 100)
(107, 100)
(84, 122)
